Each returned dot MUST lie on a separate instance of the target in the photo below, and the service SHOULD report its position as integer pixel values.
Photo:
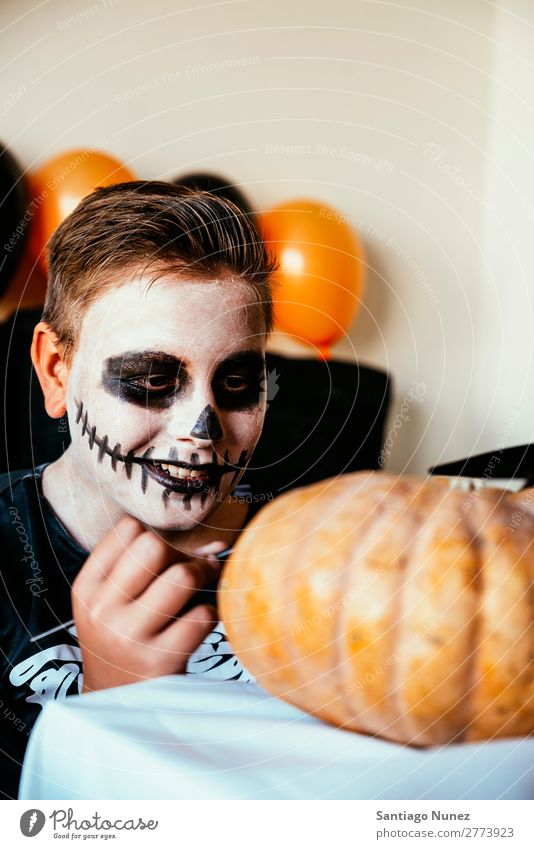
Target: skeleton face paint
(165, 398)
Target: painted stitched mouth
(184, 478)
(158, 468)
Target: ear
(51, 369)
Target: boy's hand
(125, 601)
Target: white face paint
(170, 374)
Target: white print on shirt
(50, 683)
(215, 659)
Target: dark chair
(323, 419)
(28, 435)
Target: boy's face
(166, 396)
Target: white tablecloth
(187, 738)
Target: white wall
(426, 108)
(502, 410)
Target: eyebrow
(131, 361)
(252, 357)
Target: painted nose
(207, 426)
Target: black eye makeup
(148, 378)
(155, 379)
(237, 383)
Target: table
(183, 737)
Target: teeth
(179, 472)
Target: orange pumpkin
(393, 606)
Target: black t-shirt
(39, 561)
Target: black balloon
(14, 202)
(217, 185)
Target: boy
(152, 343)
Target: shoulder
(8, 480)
(19, 501)
(14, 485)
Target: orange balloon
(61, 183)
(322, 271)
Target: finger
(104, 556)
(145, 560)
(185, 635)
(164, 599)
(214, 547)
(138, 567)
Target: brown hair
(140, 226)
